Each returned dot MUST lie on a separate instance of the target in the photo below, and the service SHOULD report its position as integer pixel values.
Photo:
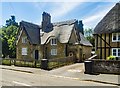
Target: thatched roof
(60, 30)
(110, 23)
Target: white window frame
(116, 52)
(53, 51)
(24, 51)
(53, 41)
(116, 37)
(24, 39)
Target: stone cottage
(107, 34)
(52, 40)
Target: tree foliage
(8, 40)
(11, 21)
(89, 36)
(9, 33)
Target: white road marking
(72, 70)
(65, 77)
(23, 84)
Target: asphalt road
(17, 78)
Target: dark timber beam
(105, 47)
(101, 47)
(104, 41)
(108, 47)
(96, 36)
(109, 44)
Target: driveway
(76, 71)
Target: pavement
(74, 72)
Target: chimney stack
(46, 22)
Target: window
(118, 36)
(24, 39)
(116, 52)
(119, 52)
(53, 41)
(53, 51)
(115, 37)
(24, 51)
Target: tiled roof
(84, 41)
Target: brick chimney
(46, 22)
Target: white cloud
(57, 9)
(63, 8)
(92, 20)
(39, 5)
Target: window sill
(53, 44)
(116, 41)
(53, 55)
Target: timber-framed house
(107, 34)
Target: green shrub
(111, 57)
(27, 64)
(6, 62)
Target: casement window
(53, 41)
(53, 51)
(116, 52)
(24, 39)
(24, 51)
(115, 37)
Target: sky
(90, 12)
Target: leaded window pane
(118, 36)
(114, 37)
(114, 52)
(118, 52)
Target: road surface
(17, 78)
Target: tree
(11, 21)
(8, 41)
(89, 35)
(9, 33)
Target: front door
(36, 54)
(80, 55)
(46, 53)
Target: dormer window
(116, 37)
(24, 39)
(53, 41)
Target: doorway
(36, 54)
(46, 51)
